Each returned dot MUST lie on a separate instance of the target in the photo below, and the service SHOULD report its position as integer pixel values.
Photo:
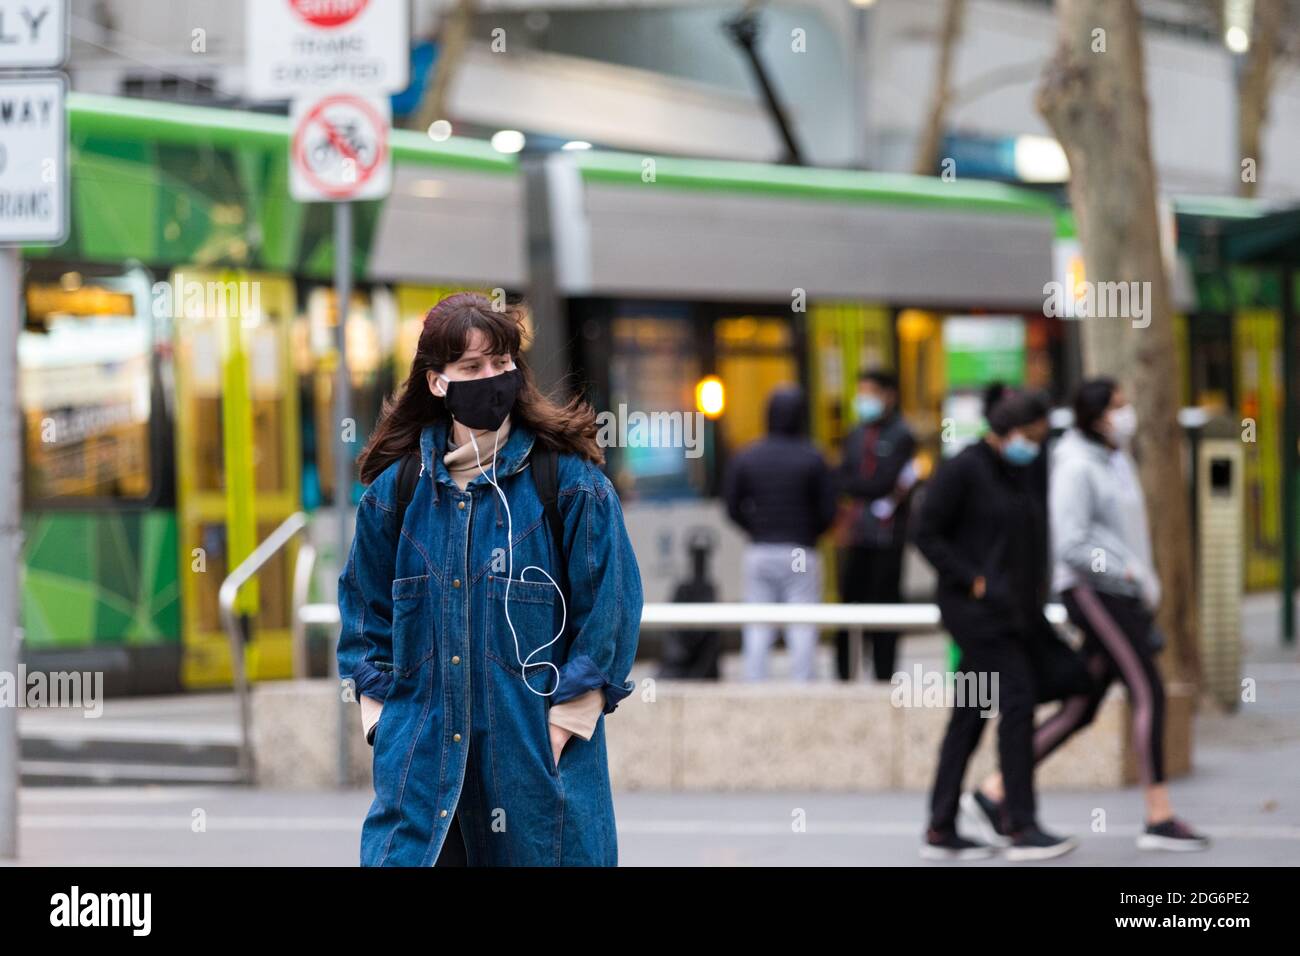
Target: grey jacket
(1099, 521)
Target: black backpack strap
(545, 466)
(408, 475)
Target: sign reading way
(297, 47)
(339, 149)
(33, 180)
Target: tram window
(653, 368)
(85, 377)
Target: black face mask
(483, 402)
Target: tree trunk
(453, 35)
(927, 149)
(1253, 89)
(1096, 105)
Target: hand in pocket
(559, 737)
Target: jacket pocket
(413, 642)
(521, 714)
(524, 625)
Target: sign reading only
(33, 34)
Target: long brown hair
(567, 427)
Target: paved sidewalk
(1245, 792)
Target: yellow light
(710, 396)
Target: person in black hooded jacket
(780, 491)
(983, 526)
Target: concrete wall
(681, 735)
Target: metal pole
(10, 541)
(342, 448)
(744, 30)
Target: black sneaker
(949, 846)
(985, 816)
(1172, 834)
(1031, 843)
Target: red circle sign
(341, 132)
(328, 13)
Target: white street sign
(33, 161)
(299, 47)
(33, 34)
(339, 149)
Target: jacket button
(456, 737)
(456, 583)
(442, 813)
(456, 659)
(460, 505)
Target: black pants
(988, 645)
(1115, 630)
(870, 576)
(453, 848)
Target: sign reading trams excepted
(33, 34)
(339, 149)
(33, 161)
(302, 47)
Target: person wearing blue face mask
(983, 525)
(875, 478)
(1097, 507)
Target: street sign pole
(33, 156)
(338, 63)
(11, 476)
(342, 450)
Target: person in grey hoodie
(1103, 569)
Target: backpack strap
(545, 467)
(408, 476)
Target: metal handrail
(277, 539)
(733, 616)
(303, 568)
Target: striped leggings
(1115, 631)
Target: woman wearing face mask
(983, 527)
(484, 653)
(1103, 568)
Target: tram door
(237, 462)
(1259, 397)
(844, 339)
(754, 355)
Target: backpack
(545, 466)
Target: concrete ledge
(684, 735)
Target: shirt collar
(510, 458)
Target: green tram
(191, 311)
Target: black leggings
(453, 848)
(1115, 630)
(988, 647)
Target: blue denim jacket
(424, 631)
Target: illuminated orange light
(710, 396)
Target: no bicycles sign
(339, 150)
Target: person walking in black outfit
(982, 525)
(876, 476)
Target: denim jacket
(424, 631)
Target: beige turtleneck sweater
(578, 716)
